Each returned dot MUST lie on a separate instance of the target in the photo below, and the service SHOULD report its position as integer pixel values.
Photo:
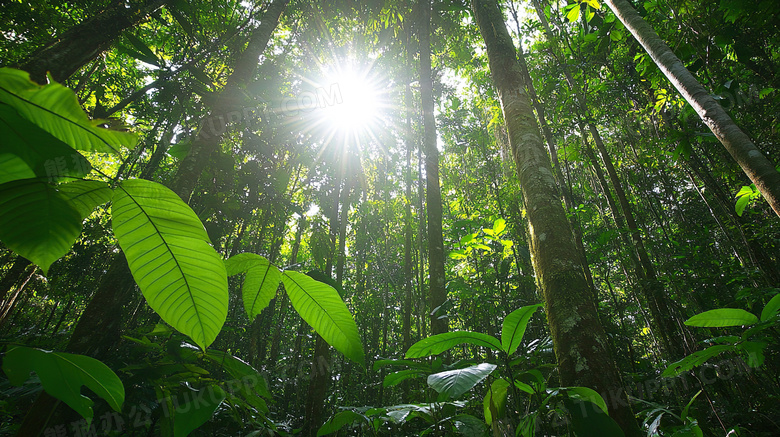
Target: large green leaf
(56, 110)
(494, 403)
(179, 273)
(439, 343)
(196, 409)
(722, 317)
(771, 309)
(587, 394)
(339, 420)
(456, 382)
(589, 420)
(321, 307)
(242, 373)
(398, 377)
(62, 376)
(695, 359)
(84, 196)
(514, 325)
(28, 151)
(37, 221)
(261, 281)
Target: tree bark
(755, 165)
(79, 45)
(437, 291)
(579, 340)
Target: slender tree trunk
(437, 291)
(230, 100)
(14, 275)
(755, 165)
(579, 340)
(79, 45)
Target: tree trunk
(79, 45)
(755, 165)
(437, 291)
(578, 337)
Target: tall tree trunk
(79, 45)
(579, 340)
(755, 165)
(437, 291)
(13, 276)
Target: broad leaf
(514, 326)
(84, 196)
(244, 376)
(468, 425)
(321, 307)
(588, 420)
(62, 376)
(695, 359)
(339, 420)
(439, 343)
(456, 382)
(494, 403)
(56, 110)
(396, 378)
(37, 221)
(587, 394)
(28, 151)
(722, 317)
(196, 408)
(261, 281)
(168, 251)
(771, 309)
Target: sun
(355, 101)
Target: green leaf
(261, 281)
(456, 382)
(378, 364)
(62, 376)
(396, 378)
(494, 403)
(499, 226)
(754, 351)
(742, 203)
(84, 196)
(771, 309)
(514, 325)
(321, 307)
(28, 151)
(587, 394)
(593, 4)
(243, 374)
(573, 14)
(722, 317)
(339, 420)
(616, 35)
(695, 359)
(197, 409)
(588, 420)
(56, 110)
(179, 273)
(468, 425)
(141, 46)
(37, 221)
(439, 343)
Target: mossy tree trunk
(578, 337)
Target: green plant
(750, 344)
(43, 201)
(582, 407)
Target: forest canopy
(437, 217)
